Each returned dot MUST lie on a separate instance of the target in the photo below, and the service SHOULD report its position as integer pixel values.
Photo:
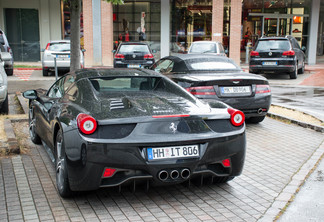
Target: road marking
(23, 74)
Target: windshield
(60, 47)
(203, 48)
(274, 44)
(124, 49)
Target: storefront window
(138, 21)
(190, 21)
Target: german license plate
(133, 66)
(269, 63)
(236, 89)
(62, 56)
(158, 153)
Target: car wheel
(293, 74)
(302, 69)
(222, 179)
(62, 179)
(45, 72)
(9, 72)
(4, 109)
(32, 127)
(256, 119)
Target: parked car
(209, 47)
(217, 78)
(133, 55)
(60, 50)
(5, 47)
(4, 107)
(277, 55)
(109, 127)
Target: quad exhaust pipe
(260, 111)
(163, 175)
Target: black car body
(277, 55)
(133, 55)
(109, 127)
(217, 78)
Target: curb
(28, 68)
(13, 146)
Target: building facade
(169, 27)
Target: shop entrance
(22, 28)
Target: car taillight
(86, 123)
(148, 56)
(237, 116)
(109, 172)
(288, 53)
(262, 89)
(47, 46)
(201, 90)
(119, 56)
(254, 53)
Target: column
(107, 35)
(165, 28)
(217, 20)
(96, 25)
(87, 32)
(313, 32)
(235, 30)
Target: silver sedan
(4, 108)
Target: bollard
(56, 74)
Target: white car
(60, 50)
(4, 107)
(207, 47)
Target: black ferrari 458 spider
(110, 127)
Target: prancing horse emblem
(173, 127)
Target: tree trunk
(75, 7)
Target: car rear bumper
(133, 63)
(283, 65)
(86, 164)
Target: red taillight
(119, 56)
(87, 124)
(170, 116)
(288, 53)
(237, 116)
(109, 172)
(226, 162)
(254, 53)
(262, 89)
(201, 90)
(148, 56)
(47, 46)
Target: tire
(45, 72)
(222, 179)
(32, 122)
(9, 72)
(4, 109)
(302, 69)
(256, 119)
(293, 74)
(62, 179)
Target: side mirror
(303, 48)
(226, 51)
(154, 51)
(83, 50)
(30, 94)
(113, 51)
(42, 50)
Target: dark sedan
(217, 78)
(109, 127)
(277, 55)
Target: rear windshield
(209, 64)
(203, 48)
(273, 44)
(124, 49)
(60, 46)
